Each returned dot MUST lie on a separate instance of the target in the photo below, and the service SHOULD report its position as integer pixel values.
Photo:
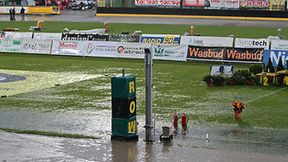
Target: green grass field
(178, 87)
(237, 31)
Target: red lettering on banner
(67, 45)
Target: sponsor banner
(169, 52)
(124, 38)
(36, 46)
(279, 45)
(275, 56)
(85, 37)
(72, 48)
(216, 3)
(207, 41)
(251, 43)
(5, 10)
(195, 3)
(18, 35)
(160, 39)
(157, 2)
(10, 45)
(47, 36)
(131, 50)
(225, 54)
(101, 49)
(255, 3)
(235, 4)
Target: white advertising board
(279, 45)
(170, 52)
(251, 43)
(36, 46)
(131, 50)
(71, 48)
(207, 41)
(10, 45)
(101, 49)
(47, 36)
(235, 4)
(18, 35)
(5, 9)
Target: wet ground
(225, 142)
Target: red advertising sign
(255, 3)
(157, 2)
(194, 3)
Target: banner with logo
(235, 4)
(18, 35)
(248, 55)
(85, 37)
(195, 3)
(169, 52)
(217, 4)
(251, 43)
(160, 39)
(279, 45)
(124, 38)
(275, 56)
(207, 41)
(131, 50)
(11, 45)
(157, 3)
(36, 46)
(47, 36)
(101, 49)
(255, 4)
(71, 48)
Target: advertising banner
(216, 4)
(124, 38)
(255, 3)
(85, 37)
(235, 4)
(169, 52)
(279, 45)
(18, 35)
(71, 48)
(47, 36)
(36, 46)
(10, 45)
(251, 43)
(207, 41)
(275, 56)
(157, 3)
(225, 54)
(160, 39)
(101, 49)
(131, 50)
(196, 3)
(5, 9)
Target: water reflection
(124, 151)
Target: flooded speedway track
(224, 143)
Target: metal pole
(149, 125)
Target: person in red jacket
(184, 122)
(175, 121)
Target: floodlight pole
(148, 79)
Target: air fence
(163, 47)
